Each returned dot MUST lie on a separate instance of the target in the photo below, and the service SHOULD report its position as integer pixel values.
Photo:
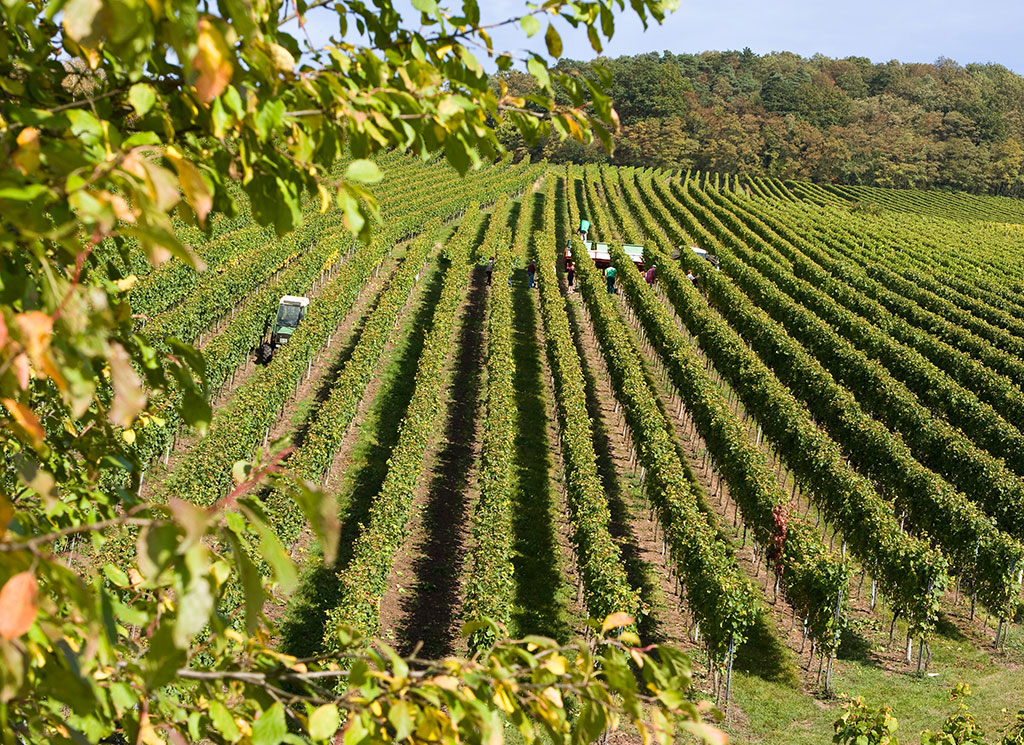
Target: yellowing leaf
(127, 283)
(638, 658)
(616, 621)
(6, 513)
(552, 695)
(556, 664)
(36, 329)
(196, 191)
(503, 700)
(212, 61)
(706, 732)
(147, 734)
(129, 395)
(80, 19)
(22, 370)
(281, 58)
(26, 421)
(26, 157)
(447, 682)
(19, 601)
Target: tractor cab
(290, 312)
(709, 257)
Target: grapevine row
(813, 581)
(947, 344)
(490, 586)
(723, 602)
(204, 474)
(605, 584)
(933, 441)
(871, 329)
(334, 416)
(977, 551)
(364, 581)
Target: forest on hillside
(891, 124)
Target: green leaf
(116, 575)
(530, 25)
(252, 580)
(193, 612)
(425, 6)
(554, 41)
(196, 411)
(270, 728)
(23, 193)
(271, 548)
(142, 97)
(402, 718)
(223, 722)
(363, 171)
(155, 549)
(324, 722)
(540, 71)
(456, 153)
(321, 511)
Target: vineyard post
(728, 672)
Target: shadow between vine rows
(303, 628)
(430, 609)
(539, 587)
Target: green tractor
(290, 312)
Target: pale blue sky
(907, 30)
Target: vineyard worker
(609, 275)
(570, 272)
(490, 270)
(692, 277)
(532, 270)
(649, 276)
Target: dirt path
(424, 594)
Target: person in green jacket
(609, 275)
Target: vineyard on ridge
(803, 464)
